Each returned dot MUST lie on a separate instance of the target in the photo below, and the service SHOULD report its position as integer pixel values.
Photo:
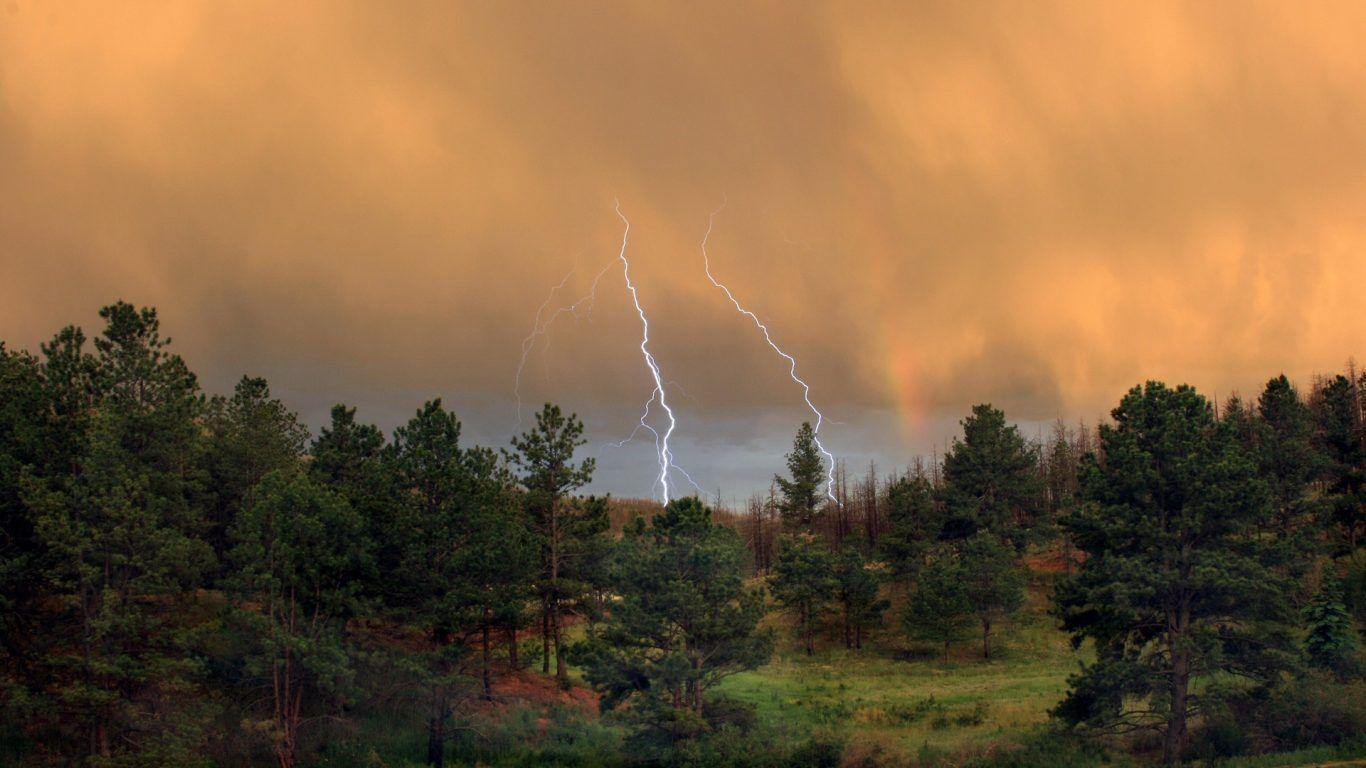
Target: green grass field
(907, 697)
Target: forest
(193, 579)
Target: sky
(931, 205)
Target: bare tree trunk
(512, 648)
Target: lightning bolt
(540, 328)
(791, 361)
(644, 424)
(661, 440)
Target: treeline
(184, 576)
(195, 580)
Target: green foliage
(857, 583)
(465, 556)
(119, 539)
(24, 439)
(991, 480)
(250, 435)
(564, 532)
(1279, 436)
(801, 505)
(300, 558)
(353, 460)
(545, 458)
(1330, 640)
(1312, 708)
(914, 522)
(938, 609)
(804, 583)
(992, 580)
(1337, 409)
(1175, 587)
(683, 620)
(1289, 460)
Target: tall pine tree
(1176, 587)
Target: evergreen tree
(1175, 587)
(802, 493)
(1330, 640)
(354, 460)
(545, 458)
(1289, 462)
(938, 610)
(251, 435)
(444, 493)
(914, 522)
(857, 582)
(803, 582)
(1338, 413)
(120, 526)
(994, 583)
(299, 559)
(25, 438)
(990, 480)
(683, 621)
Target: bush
(1309, 711)
(1220, 736)
(725, 712)
(821, 751)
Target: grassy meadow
(905, 697)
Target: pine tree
(545, 458)
(443, 495)
(1175, 587)
(26, 432)
(857, 583)
(991, 481)
(938, 610)
(1342, 438)
(299, 557)
(683, 621)
(914, 522)
(354, 460)
(120, 524)
(994, 583)
(250, 435)
(1330, 640)
(1290, 462)
(803, 582)
(802, 493)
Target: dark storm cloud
(933, 204)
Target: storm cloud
(932, 204)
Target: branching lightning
(791, 361)
(661, 440)
(540, 331)
(540, 328)
(644, 424)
